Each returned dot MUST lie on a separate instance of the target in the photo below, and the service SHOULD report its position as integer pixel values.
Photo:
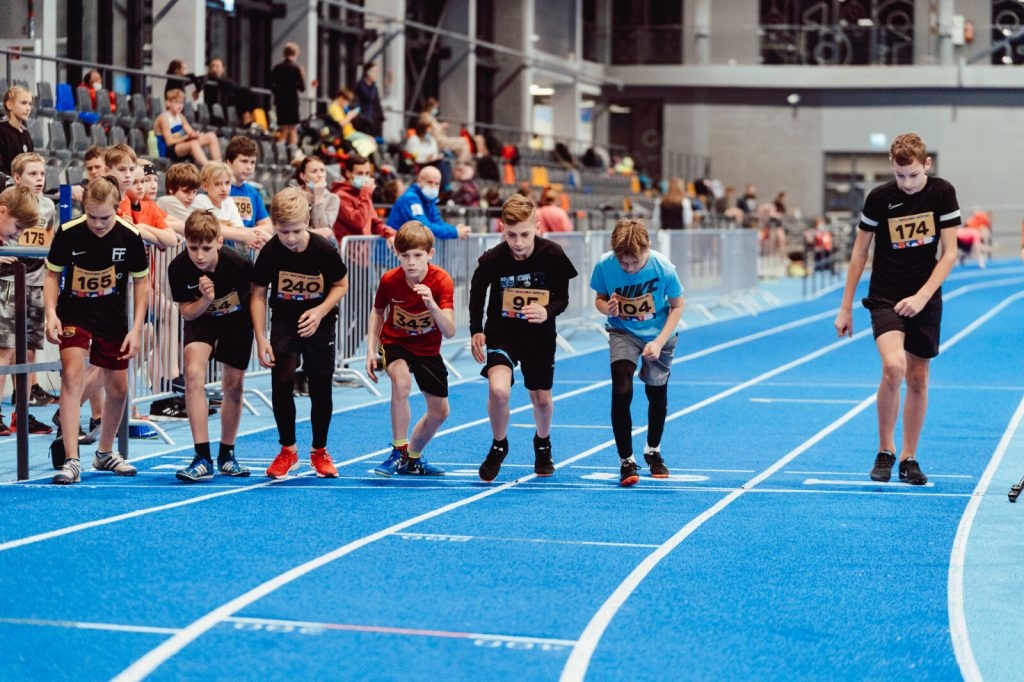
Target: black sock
(203, 450)
(500, 444)
(227, 452)
(541, 442)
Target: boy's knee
(500, 394)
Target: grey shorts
(34, 322)
(623, 346)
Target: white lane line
(861, 483)
(81, 625)
(811, 401)
(531, 425)
(434, 537)
(579, 660)
(958, 630)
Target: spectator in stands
(287, 80)
(422, 146)
(551, 217)
(28, 170)
(93, 81)
(371, 113)
(674, 211)
(455, 144)
(178, 78)
(391, 190)
(182, 183)
(420, 203)
(241, 156)
(356, 215)
(219, 89)
(343, 113)
(726, 206)
(311, 177)
(748, 204)
(465, 191)
(771, 222)
(176, 139)
(974, 237)
(216, 178)
(95, 167)
(14, 136)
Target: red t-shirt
(407, 322)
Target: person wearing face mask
(93, 81)
(419, 202)
(439, 130)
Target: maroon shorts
(103, 351)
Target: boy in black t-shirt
(306, 279)
(211, 285)
(528, 278)
(96, 255)
(908, 218)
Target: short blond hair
(119, 153)
(290, 205)
(518, 209)
(24, 159)
(214, 170)
(630, 238)
(21, 203)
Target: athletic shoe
(201, 469)
(656, 464)
(321, 462)
(39, 397)
(389, 467)
(492, 464)
(94, 427)
(419, 467)
(143, 431)
(34, 425)
(882, 471)
(286, 460)
(301, 384)
(70, 472)
(4, 429)
(231, 467)
(83, 437)
(168, 408)
(542, 464)
(57, 454)
(910, 472)
(113, 461)
(628, 474)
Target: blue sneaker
(231, 467)
(390, 466)
(199, 470)
(419, 467)
(144, 431)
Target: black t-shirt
(232, 283)
(12, 143)
(298, 281)
(906, 230)
(97, 270)
(542, 278)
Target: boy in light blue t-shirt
(640, 292)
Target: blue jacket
(412, 205)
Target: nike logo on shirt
(892, 206)
(78, 253)
(192, 286)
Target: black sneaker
(4, 429)
(34, 425)
(656, 464)
(38, 397)
(882, 471)
(301, 384)
(492, 464)
(168, 408)
(542, 464)
(83, 437)
(910, 472)
(627, 473)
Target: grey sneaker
(199, 470)
(70, 473)
(231, 467)
(882, 470)
(113, 461)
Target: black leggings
(622, 397)
(321, 400)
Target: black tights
(321, 400)
(622, 397)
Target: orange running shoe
(322, 463)
(286, 460)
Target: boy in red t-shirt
(414, 306)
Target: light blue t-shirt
(250, 203)
(643, 296)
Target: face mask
(429, 192)
(359, 181)
(434, 111)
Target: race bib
(514, 300)
(636, 309)
(245, 208)
(225, 305)
(295, 286)
(34, 236)
(93, 283)
(413, 324)
(912, 230)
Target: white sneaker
(113, 461)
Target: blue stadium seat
(65, 102)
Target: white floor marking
(679, 478)
(862, 483)
(79, 625)
(531, 425)
(579, 660)
(804, 400)
(958, 631)
(432, 537)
